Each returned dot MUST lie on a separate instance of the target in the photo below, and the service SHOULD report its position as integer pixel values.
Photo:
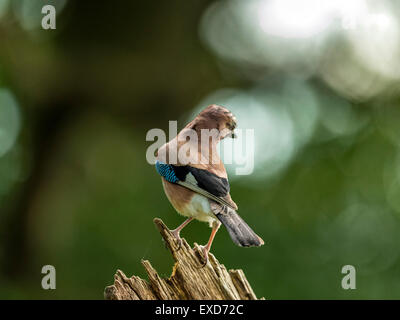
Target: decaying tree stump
(188, 280)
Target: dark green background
(77, 192)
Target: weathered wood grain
(188, 279)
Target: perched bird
(195, 180)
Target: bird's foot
(205, 251)
(175, 233)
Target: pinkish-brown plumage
(197, 165)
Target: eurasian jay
(195, 180)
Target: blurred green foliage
(77, 192)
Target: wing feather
(205, 183)
(205, 193)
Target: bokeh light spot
(9, 121)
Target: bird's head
(216, 117)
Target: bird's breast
(187, 202)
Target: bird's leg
(176, 232)
(206, 249)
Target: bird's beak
(233, 127)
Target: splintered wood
(189, 280)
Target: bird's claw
(179, 244)
(178, 239)
(205, 253)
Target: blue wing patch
(166, 171)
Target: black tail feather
(240, 232)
